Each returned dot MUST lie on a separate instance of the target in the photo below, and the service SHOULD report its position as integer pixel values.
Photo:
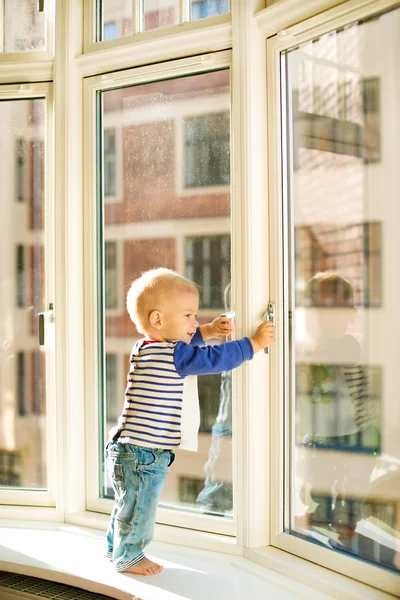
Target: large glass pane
(171, 158)
(114, 19)
(200, 9)
(343, 187)
(22, 362)
(24, 26)
(160, 13)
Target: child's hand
(263, 336)
(220, 326)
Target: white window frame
(20, 497)
(214, 29)
(368, 573)
(92, 85)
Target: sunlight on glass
(344, 185)
(166, 179)
(22, 362)
(24, 26)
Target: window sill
(75, 556)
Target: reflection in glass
(114, 19)
(22, 363)
(160, 220)
(160, 13)
(208, 8)
(345, 471)
(24, 26)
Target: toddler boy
(161, 411)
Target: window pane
(147, 223)
(344, 124)
(160, 13)
(208, 8)
(114, 19)
(24, 26)
(22, 363)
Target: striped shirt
(160, 408)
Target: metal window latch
(40, 5)
(269, 315)
(49, 314)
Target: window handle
(269, 315)
(229, 315)
(49, 314)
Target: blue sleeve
(205, 360)
(197, 339)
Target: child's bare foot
(145, 567)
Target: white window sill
(75, 556)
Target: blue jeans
(138, 475)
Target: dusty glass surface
(24, 27)
(22, 362)
(343, 187)
(167, 212)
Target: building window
(110, 30)
(111, 275)
(9, 461)
(209, 8)
(20, 276)
(113, 403)
(354, 249)
(208, 263)
(21, 384)
(20, 169)
(209, 397)
(110, 164)
(353, 129)
(327, 396)
(207, 151)
(189, 489)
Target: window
(147, 228)
(207, 154)
(320, 393)
(208, 8)
(21, 384)
(114, 19)
(19, 169)
(209, 398)
(149, 15)
(207, 261)
(354, 249)
(24, 275)
(20, 279)
(189, 489)
(24, 26)
(110, 32)
(111, 275)
(110, 163)
(339, 381)
(160, 13)
(353, 129)
(112, 401)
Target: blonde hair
(146, 293)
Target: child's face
(178, 316)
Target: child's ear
(155, 319)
